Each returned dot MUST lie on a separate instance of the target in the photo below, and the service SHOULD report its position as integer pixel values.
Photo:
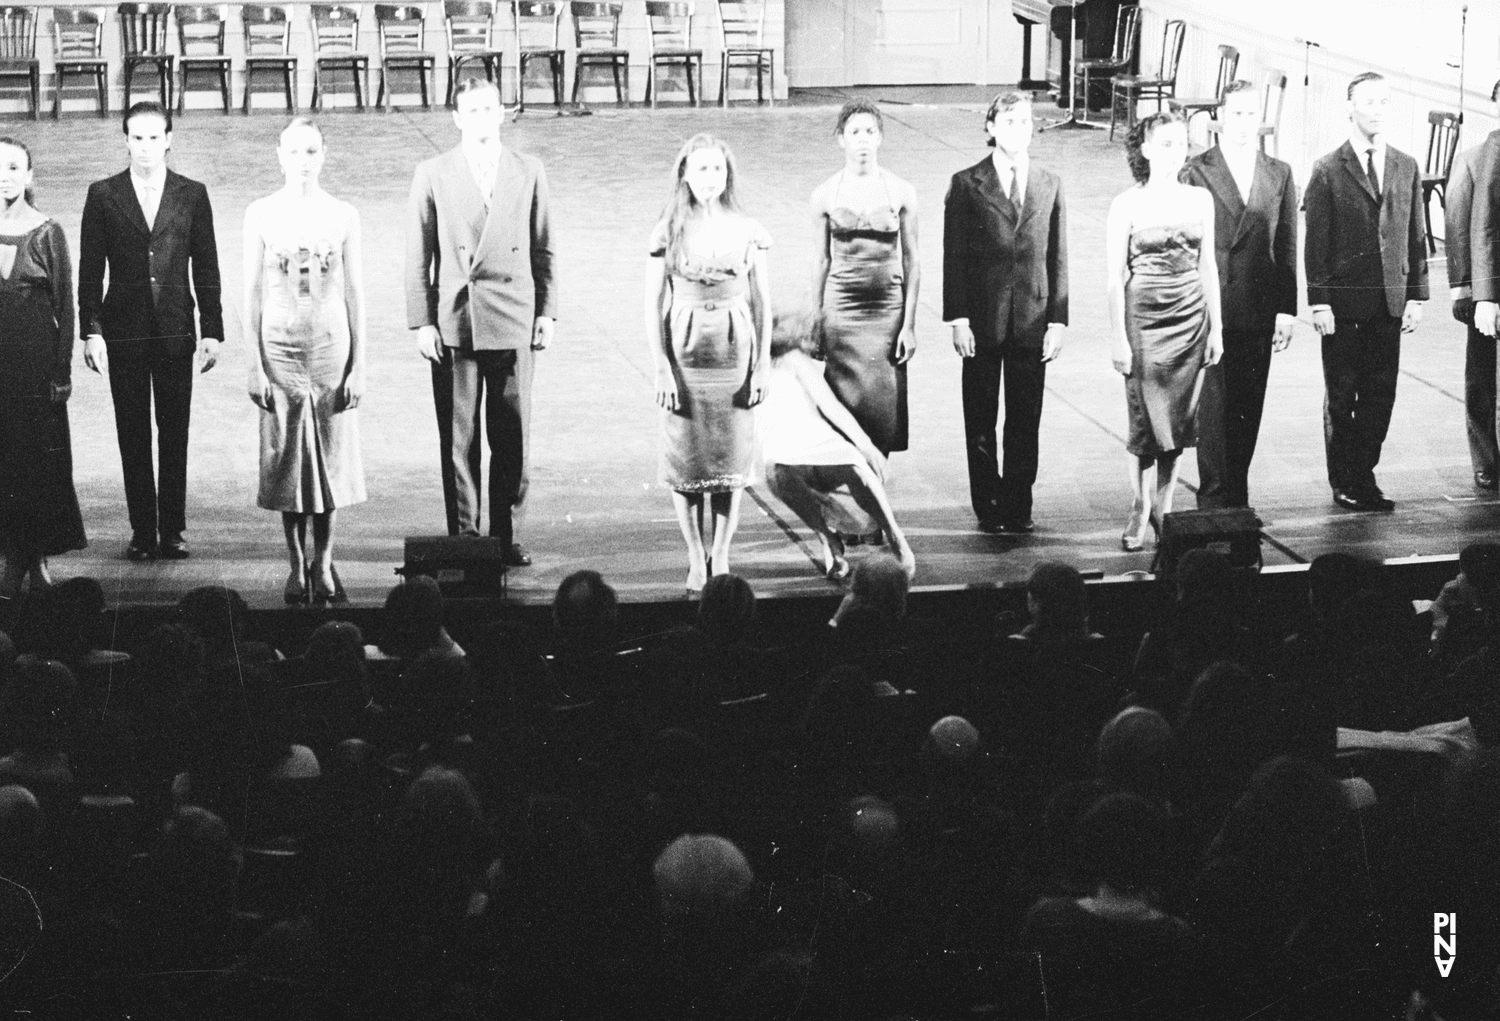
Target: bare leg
(1142, 484)
(323, 550)
(726, 518)
(1166, 483)
(295, 528)
(791, 487)
(689, 507)
(869, 492)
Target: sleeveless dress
(1166, 322)
(310, 459)
(708, 443)
(863, 309)
(38, 504)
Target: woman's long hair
(1140, 166)
(681, 204)
(30, 193)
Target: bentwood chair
(1130, 89)
(1121, 56)
(672, 45)
(143, 43)
(1443, 128)
(1273, 97)
(336, 48)
(18, 52)
(200, 40)
(1229, 64)
(78, 48)
(596, 43)
(742, 41)
(470, 25)
(268, 47)
(402, 35)
(538, 27)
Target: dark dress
(38, 506)
(1166, 322)
(864, 306)
(708, 443)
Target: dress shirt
(148, 192)
(1242, 168)
(1362, 148)
(483, 162)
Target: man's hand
(963, 340)
(208, 353)
(1282, 338)
(906, 345)
(96, 353)
(428, 343)
(1052, 343)
(1323, 322)
(1463, 310)
(541, 333)
(1485, 313)
(1412, 317)
(60, 392)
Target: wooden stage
(595, 502)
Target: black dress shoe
(1018, 526)
(1349, 500)
(173, 549)
(991, 526)
(1375, 500)
(516, 556)
(139, 550)
(1487, 481)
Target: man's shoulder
(436, 163)
(107, 183)
(970, 173)
(1403, 161)
(1333, 158)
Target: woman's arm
(60, 279)
(810, 374)
(354, 301)
(1117, 252)
(911, 275)
(260, 384)
(1208, 272)
(822, 259)
(658, 293)
(760, 314)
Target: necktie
(1012, 193)
(486, 182)
(151, 204)
(1370, 173)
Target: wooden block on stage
(462, 565)
(1233, 531)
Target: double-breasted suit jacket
(1471, 218)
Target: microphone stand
(1071, 122)
(1463, 36)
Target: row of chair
(470, 27)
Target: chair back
(1275, 94)
(1171, 50)
(17, 34)
(742, 26)
(470, 25)
(200, 30)
(335, 29)
(1229, 64)
(267, 30)
(538, 24)
(671, 25)
(400, 29)
(77, 33)
(1127, 34)
(1442, 142)
(143, 29)
(596, 26)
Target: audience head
(1289, 813)
(20, 823)
(1056, 599)
(953, 739)
(1156, 147)
(1333, 578)
(1008, 122)
(196, 855)
(1240, 115)
(1120, 843)
(336, 652)
(216, 615)
(801, 330)
(1135, 752)
(477, 110)
(169, 661)
(1480, 563)
(7, 658)
(413, 618)
(37, 704)
(585, 608)
(1368, 104)
(1204, 578)
(15, 172)
(881, 585)
(75, 607)
(727, 608)
(701, 874)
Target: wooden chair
(403, 39)
(143, 43)
(1443, 128)
(742, 39)
(336, 48)
(672, 44)
(1273, 97)
(268, 47)
(1121, 57)
(596, 39)
(1229, 64)
(1131, 88)
(470, 25)
(78, 48)
(200, 40)
(538, 26)
(18, 51)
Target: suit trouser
(1480, 393)
(492, 388)
(138, 371)
(1006, 496)
(1229, 413)
(1361, 362)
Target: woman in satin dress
(305, 309)
(1163, 312)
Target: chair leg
(249, 77)
(698, 99)
(182, 92)
(57, 87)
(770, 74)
(317, 96)
(1114, 106)
(559, 79)
(651, 85)
(101, 82)
(127, 74)
(36, 93)
(724, 81)
(224, 87)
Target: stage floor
(594, 499)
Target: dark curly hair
(1140, 167)
(854, 107)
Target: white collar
(479, 154)
(1004, 162)
(1360, 146)
(157, 180)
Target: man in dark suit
(1005, 294)
(152, 229)
(480, 297)
(1366, 258)
(1255, 237)
(1471, 220)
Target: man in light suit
(1471, 220)
(1005, 294)
(152, 229)
(481, 300)
(1366, 257)
(1255, 236)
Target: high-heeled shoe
(838, 569)
(297, 587)
(1132, 540)
(324, 597)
